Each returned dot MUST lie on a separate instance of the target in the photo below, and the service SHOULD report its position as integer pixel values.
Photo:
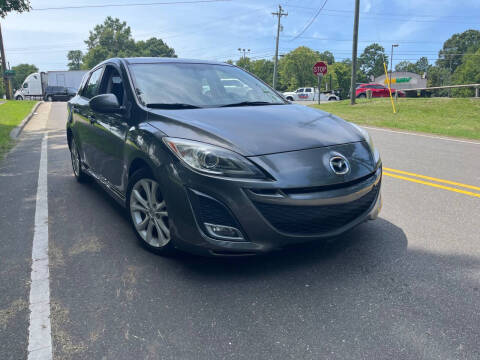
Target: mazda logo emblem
(339, 165)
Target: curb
(17, 130)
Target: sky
(215, 30)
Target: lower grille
(210, 210)
(313, 220)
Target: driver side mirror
(105, 103)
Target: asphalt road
(405, 286)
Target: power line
(127, 5)
(385, 14)
(311, 21)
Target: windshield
(184, 85)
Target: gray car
(202, 167)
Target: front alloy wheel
(148, 213)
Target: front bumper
(248, 206)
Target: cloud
(368, 6)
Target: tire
(49, 98)
(147, 211)
(332, 98)
(78, 172)
(361, 96)
(19, 98)
(289, 98)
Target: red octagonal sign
(320, 68)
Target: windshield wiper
(172, 106)
(251, 103)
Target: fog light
(223, 232)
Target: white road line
(422, 135)
(39, 331)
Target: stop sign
(320, 68)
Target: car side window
(308, 90)
(299, 90)
(113, 84)
(91, 88)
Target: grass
(458, 117)
(11, 114)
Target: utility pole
(279, 14)
(353, 85)
(391, 63)
(4, 66)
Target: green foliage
(154, 47)
(419, 67)
(263, 69)
(21, 72)
(371, 60)
(11, 114)
(438, 76)
(450, 56)
(244, 63)
(7, 6)
(295, 68)
(113, 38)
(467, 73)
(74, 59)
(342, 73)
(328, 57)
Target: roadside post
(319, 70)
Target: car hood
(256, 130)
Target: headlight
(213, 160)
(368, 139)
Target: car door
(83, 120)
(110, 131)
(308, 94)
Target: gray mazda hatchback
(209, 159)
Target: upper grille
(312, 220)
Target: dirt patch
(7, 314)
(64, 346)
(90, 245)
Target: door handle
(92, 119)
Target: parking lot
(405, 286)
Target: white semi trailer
(34, 85)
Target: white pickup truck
(309, 93)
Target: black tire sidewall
(82, 176)
(168, 249)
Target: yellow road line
(432, 184)
(433, 179)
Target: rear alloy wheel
(49, 98)
(76, 162)
(148, 213)
(361, 96)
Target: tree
(295, 68)
(21, 72)
(371, 60)
(113, 38)
(406, 66)
(450, 57)
(244, 63)
(422, 65)
(154, 47)
(263, 69)
(467, 73)
(328, 57)
(75, 59)
(342, 74)
(7, 6)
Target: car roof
(156, 60)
